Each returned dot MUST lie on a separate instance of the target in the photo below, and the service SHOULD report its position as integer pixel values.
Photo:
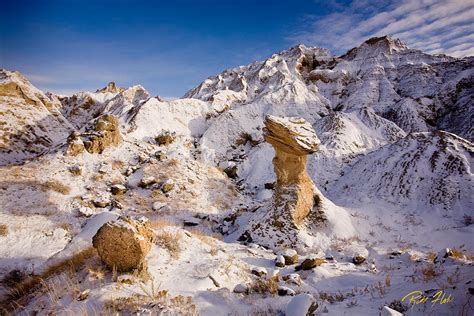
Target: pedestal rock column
(295, 196)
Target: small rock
(105, 168)
(241, 288)
(259, 271)
(83, 295)
(118, 189)
(285, 291)
(291, 256)
(85, 211)
(310, 263)
(270, 185)
(191, 222)
(165, 138)
(358, 259)
(142, 157)
(160, 155)
(301, 305)
(292, 278)
(75, 170)
(156, 206)
(448, 252)
(148, 181)
(101, 201)
(231, 171)
(280, 261)
(167, 186)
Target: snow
(394, 188)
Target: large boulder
(124, 243)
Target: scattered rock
(167, 186)
(285, 291)
(85, 211)
(241, 288)
(156, 206)
(160, 155)
(148, 181)
(290, 256)
(101, 201)
(124, 243)
(83, 295)
(280, 261)
(142, 157)
(105, 168)
(259, 271)
(118, 189)
(270, 185)
(301, 305)
(165, 138)
(292, 278)
(191, 222)
(310, 263)
(358, 259)
(75, 170)
(231, 171)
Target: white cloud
(435, 26)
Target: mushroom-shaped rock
(124, 243)
(295, 195)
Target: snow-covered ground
(397, 191)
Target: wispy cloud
(435, 26)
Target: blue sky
(171, 46)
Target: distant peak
(375, 46)
(111, 87)
(386, 40)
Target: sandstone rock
(285, 291)
(292, 278)
(310, 263)
(290, 256)
(75, 170)
(85, 211)
(118, 189)
(358, 259)
(295, 197)
(75, 145)
(101, 201)
(258, 271)
(280, 261)
(241, 288)
(301, 305)
(124, 243)
(148, 181)
(105, 134)
(167, 186)
(160, 155)
(165, 138)
(156, 206)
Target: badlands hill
(389, 172)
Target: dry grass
(265, 286)
(170, 241)
(117, 164)
(57, 186)
(430, 272)
(20, 290)
(3, 230)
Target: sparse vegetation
(3, 230)
(57, 186)
(170, 241)
(265, 286)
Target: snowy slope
(30, 122)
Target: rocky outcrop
(110, 88)
(104, 133)
(295, 195)
(124, 243)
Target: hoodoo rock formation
(124, 243)
(295, 196)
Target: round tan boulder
(124, 243)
